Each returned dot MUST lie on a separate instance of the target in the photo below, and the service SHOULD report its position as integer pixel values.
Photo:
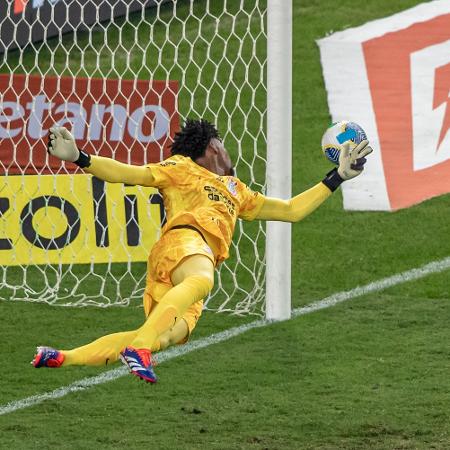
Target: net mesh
(90, 246)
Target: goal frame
(279, 156)
(266, 74)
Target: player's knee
(205, 283)
(193, 266)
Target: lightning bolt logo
(442, 95)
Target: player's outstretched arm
(62, 145)
(297, 207)
(351, 164)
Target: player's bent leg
(105, 350)
(193, 279)
(100, 352)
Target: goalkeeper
(203, 200)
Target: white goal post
(124, 74)
(279, 155)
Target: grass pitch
(368, 374)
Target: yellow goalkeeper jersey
(211, 203)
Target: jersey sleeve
(250, 202)
(163, 173)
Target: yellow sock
(102, 351)
(174, 304)
(106, 349)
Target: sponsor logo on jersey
(215, 195)
(231, 186)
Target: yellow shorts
(166, 255)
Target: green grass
(371, 373)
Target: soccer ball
(338, 133)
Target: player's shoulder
(231, 183)
(173, 161)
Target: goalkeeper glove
(351, 164)
(62, 144)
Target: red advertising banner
(392, 76)
(132, 121)
(410, 176)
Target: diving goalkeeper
(203, 199)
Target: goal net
(123, 75)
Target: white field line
(174, 352)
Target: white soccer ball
(337, 134)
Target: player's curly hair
(193, 138)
